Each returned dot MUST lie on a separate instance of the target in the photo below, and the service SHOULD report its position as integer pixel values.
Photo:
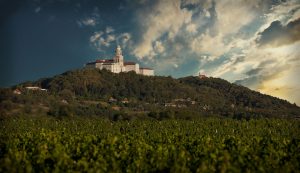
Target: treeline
(89, 91)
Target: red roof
(129, 63)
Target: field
(99, 145)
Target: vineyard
(100, 145)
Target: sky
(254, 43)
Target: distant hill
(153, 96)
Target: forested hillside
(126, 95)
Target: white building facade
(117, 65)
(147, 71)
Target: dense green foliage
(98, 145)
(88, 91)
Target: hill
(128, 95)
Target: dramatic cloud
(273, 68)
(229, 65)
(231, 52)
(251, 42)
(207, 44)
(277, 34)
(165, 17)
(234, 14)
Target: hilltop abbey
(117, 65)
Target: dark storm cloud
(252, 81)
(259, 69)
(262, 73)
(238, 59)
(255, 78)
(253, 72)
(256, 75)
(277, 34)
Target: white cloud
(96, 36)
(192, 28)
(219, 38)
(103, 39)
(207, 44)
(166, 17)
(111, 38)
(234, 14)
(207, 14)
(100, 40)
(202, 71)
(125, 40)
(90, 20)
(109, 29)
(158, 47)
(87, 22)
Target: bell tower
(118, 56)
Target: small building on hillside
(125, 101)
(202, 76)
(17, 91)
(117, 65)
(112, 100)
(35, 88)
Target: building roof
(32, 87)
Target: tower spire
(118, 51)
(118, 55)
